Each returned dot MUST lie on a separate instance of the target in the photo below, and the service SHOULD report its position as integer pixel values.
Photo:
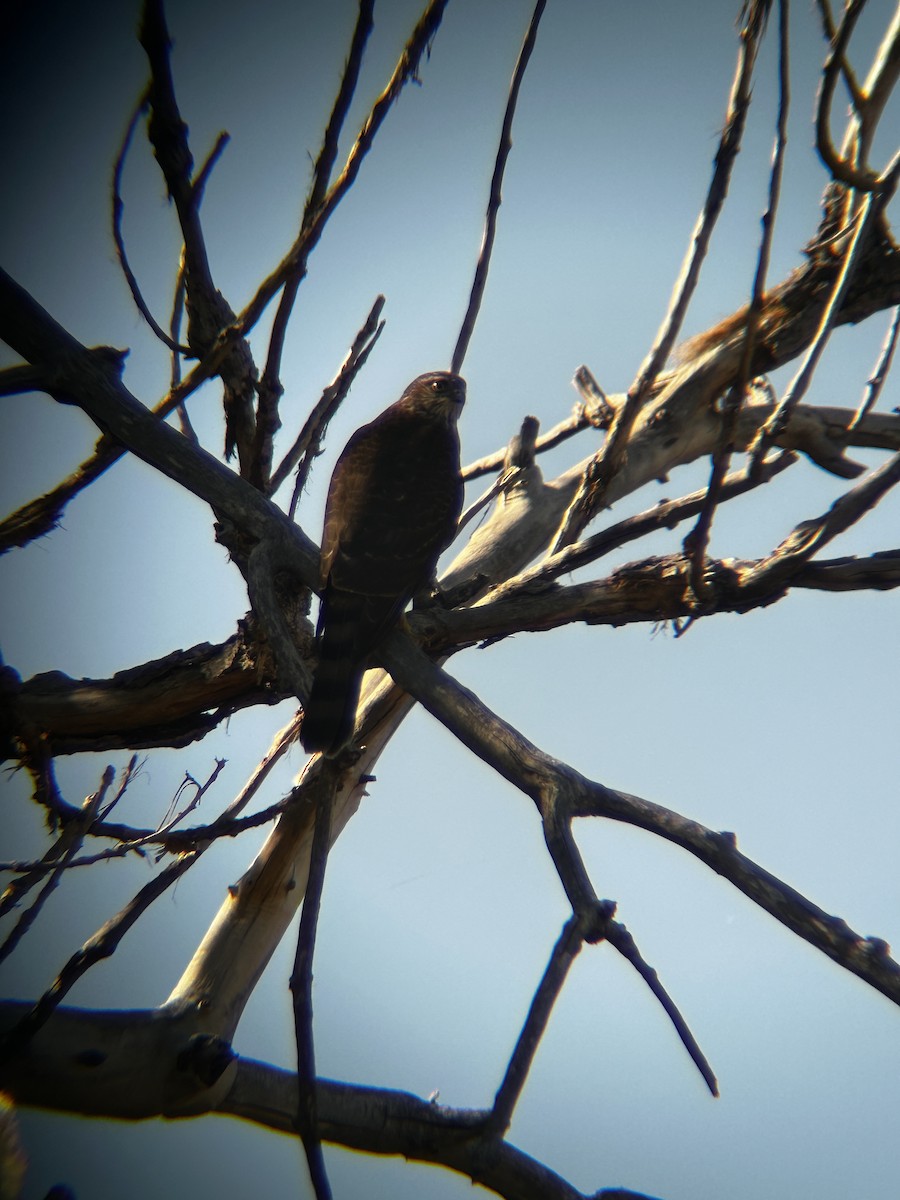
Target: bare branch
(301, 989)
(558, 788)
(878, 87)
(39, 517)
(309, 440)
(208, 311)
(262, 567)
(118, 209)
(379, 1121)
(879, 376)
(168, 133)
(841, 169)
(656, 590)
(617, 935)
(564, 953)
(494, 199)
(880, 571)
(15, 381)
(169, 701)
(202, 177)
(831, 33)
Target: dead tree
(709, 399)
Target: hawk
(393, 505)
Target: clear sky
(441, 907)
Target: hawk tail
(331, 709)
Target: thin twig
(495, 198)
(566, 950)
(172, 841)
(177, 841)
(184, 421)
(76, 823)
(876, 381)
(856, 93)
(201, 179)
(580, 420)
(301, 989)
(308, 442)
(859, 178)
(502, 483)
(175, 816)
(617, 935)
(65, 849)
(118, 209)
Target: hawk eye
(436, 385)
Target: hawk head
(439, 395)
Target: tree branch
(494, 198)
(307, 1122)
(208, 311)
(118, 209)
(170, 701)
(559, 789)
(309, 440)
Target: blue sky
(441, 907)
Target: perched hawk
(393, 504)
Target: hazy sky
(441, 907)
